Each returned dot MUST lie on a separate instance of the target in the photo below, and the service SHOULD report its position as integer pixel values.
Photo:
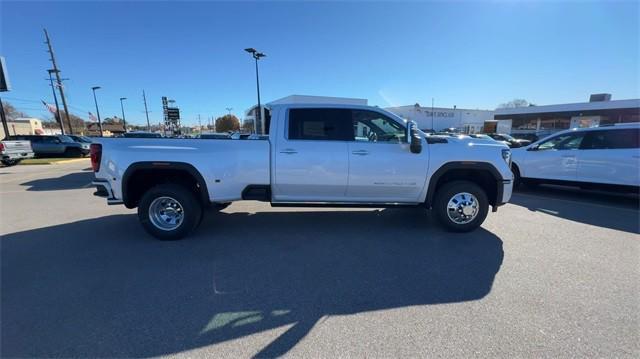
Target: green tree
(227, 123)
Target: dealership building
(543, 120)
(439, 118)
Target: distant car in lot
(57, 145)
(601, 157)
(83, 141)
(215, 136)
(532, 137)
(510, 140)
(12, 152)
(141, 134)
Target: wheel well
(141, 180)
(481, 177)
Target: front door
(555, 158)
(381, 166)
(311, 163)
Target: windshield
(64, 138)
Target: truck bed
(227, 165)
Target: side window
(612, 139)
(569, 141)
(320, 124)
(371, 126)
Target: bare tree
(11, 112)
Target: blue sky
(469, 54)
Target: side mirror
(413, 137)
(57, 140)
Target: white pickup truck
(314, 155)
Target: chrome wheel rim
(462, 208)
(166, 213)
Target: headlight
(506, 155)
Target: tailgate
(16, 147)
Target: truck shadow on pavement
(73, 180)
(609, 210)
(103, 288)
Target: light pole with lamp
(256, 55)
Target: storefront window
(524, 124)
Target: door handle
(360, 152)
(289, 151)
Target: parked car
(512, 142)
(531, 137)
(14, 151)
(57, 145)
(316, 155)
(604, 157)
(83, 141)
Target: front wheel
(461, 206)
(169, 211)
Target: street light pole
(55, 99)
(256, 55)
(97, 110)
(124, 121)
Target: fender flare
(182, 166)
(463, 165)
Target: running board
(345, 205)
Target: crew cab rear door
(311, 163)
(382, 168)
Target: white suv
(602, 156)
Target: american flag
(92, 118)
(50, 107)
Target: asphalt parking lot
(555, 273)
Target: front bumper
(103, 189)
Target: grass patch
(44, 161)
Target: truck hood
(463, 140)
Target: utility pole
(124, 121)
(146, 111)
(58, 80)
(55, 100)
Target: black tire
(10, 163)
(192, 211)
(447, 192)
(517, 180)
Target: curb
(68, 161)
